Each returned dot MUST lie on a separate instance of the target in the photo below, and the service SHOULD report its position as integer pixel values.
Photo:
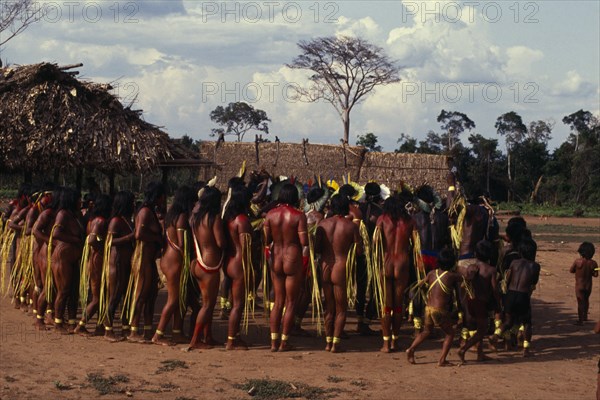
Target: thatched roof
(307, 160)
(51, 119)
(182, 156)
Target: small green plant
(269, 389)
(171, 365)
(107, 385)
(61, 386)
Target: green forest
(526, 171)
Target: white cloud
(520, 61)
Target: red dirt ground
(564, 365)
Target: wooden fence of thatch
(305, 160)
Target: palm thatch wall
(50, 119)
(305, 160)
(414, 169)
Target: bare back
(483, 280)
(584, 270)
(441, 292)
(396, 237)
(210, 239)
(523, 275)
(335, 237)
(286, 228)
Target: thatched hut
(49, 119)
(305, 160)
(414, 169)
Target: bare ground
(564, 366)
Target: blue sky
(180, 59)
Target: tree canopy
(368, 141)
(237, 119)
(344, 71)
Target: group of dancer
(393, 255)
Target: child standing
(442, 288)
(584, 269)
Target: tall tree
(511, 126)
(16, 16)
(582, 123)
(485, 152)
(454, 123)
(408, 144)
(238, 118)
(344, 70)
(190, 143)
(540, 131)
(368, 141)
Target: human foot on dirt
(274, 345)
(160, 339)
(200, 346)
(236, 344)
(445, 364)
(285, 346)
(81, 330)
(110, 336)
(461, 355)
(336, 348)
(483, 358)
(135, 337)
(49, 319)
(410, 356)
(60, 328)
(394, 345)
(385, 348)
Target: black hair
(425, 193)
(56, 195)
(314, 194)
(123, 204)
(515, 232)
(393, 207)
(153, 192)
(102, 206)
(68, 199)
(236, 181)
(372, 189)
(347, 190)
(586, 250)
(339, 205)
(483, 250)
(528, 248)
(183, 202)
(210, 203)
(517, 221)
(447, 259)
(239, 203)
(289, 195)
(197, 186)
